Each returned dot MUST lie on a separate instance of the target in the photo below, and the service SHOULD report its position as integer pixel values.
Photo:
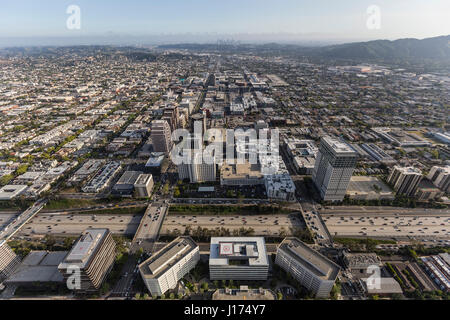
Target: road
(264, 225)
(151, 222)
(15, 226)
(389, 225)
(75, 224)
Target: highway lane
(428, 226)
(263, 225)
(75, 224)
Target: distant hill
(430, 48)
(436, 49)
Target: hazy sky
(316, 18)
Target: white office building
(233, 258)
(164, 269)
(144, 186)
(405, 180)
(313, 270)
(334, 168)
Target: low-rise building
(313, 270)
(10, 192)
(238, 258)
(144, 185)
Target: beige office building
(9, 261)
(93, 254)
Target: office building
(233, 258)
(244, 174)
(165, 268)
(38, 268)
(161, 136)
(313, 270)
(144, 186)
(171, 115)
(440, 177)
(426, 190)
(333, 169)
(405, 180)
(243, 293)
(93, 255)
(126, 183)
(9, 261)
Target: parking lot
(263, 225)
(431, 226)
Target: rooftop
(315, 262)
(250, 249)
(85, 247)
(168, 256)
(338, 146)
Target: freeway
(15, 226)
(75, 224)
(266, 225)
(395, 224)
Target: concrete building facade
(333, 169)
(164, 269)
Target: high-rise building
(171, 115)
(199, 167)
(93, 256)
(164, 269)
(440, 177)
(405, 180)
(333, 169)
(313, 270)
(161, 136)
(9, 261)
(234, 258)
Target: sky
(297, 19)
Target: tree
(146, 296)
(172, 296)
(279, 296)
(137, 296)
